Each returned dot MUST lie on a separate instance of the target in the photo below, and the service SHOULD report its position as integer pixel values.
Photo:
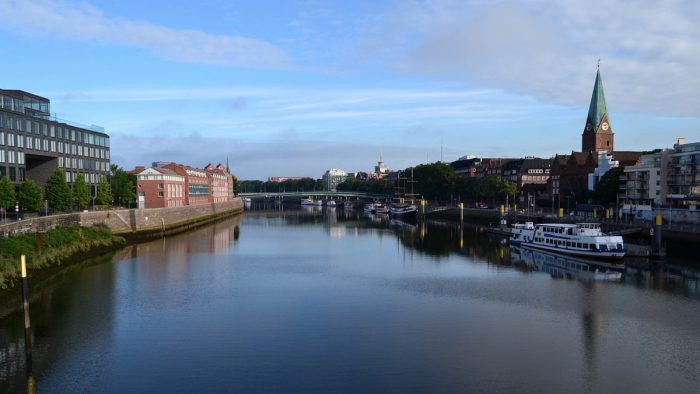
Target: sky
(292, 88)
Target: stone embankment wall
(131, 221)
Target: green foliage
(81, 192)
(378, 186)
(608, 186)
(292, 185)
(7, 193)
(494, 187)
(30, 197)
(123, 186)
(58, 244)
(433, 181)
(104, 192)
(58, 192)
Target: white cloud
(84, 22)
(650, 50)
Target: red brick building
(197, 183)
(220, 183)
(160, 188)
(176, 185)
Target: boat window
(592, 246)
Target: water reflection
(89, 289)
(315, 300)
(565, 267)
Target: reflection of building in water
(337, 231)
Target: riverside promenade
(131, 222)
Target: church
(575, 174)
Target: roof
(627, 158)
(598, 108)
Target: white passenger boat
(311, 202)
(406, 211)
(380, 208)
(582, 239)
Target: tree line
(58, 196)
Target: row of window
(39, 128)
(568, 244)
(83, 164)
(15, 174)
(89, 177)
(11, 157)
(52, 146)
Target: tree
(81, 192)
(7, 193)
(104, 192)
(30, 197)
(58, 192)
(608, 186)
(495, 187)
(433, 181)
(123, 186)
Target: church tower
(598, 135)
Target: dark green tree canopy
(607, 188)
(30, 197)
(81, 192)
(104, 192)
(58, 192)
(123, 186)
(7, 193)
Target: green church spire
(598, 109)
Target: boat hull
(613, 256)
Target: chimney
(681, 141)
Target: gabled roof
(598, 108)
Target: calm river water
(314, 301)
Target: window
(2, 138)
(160, 186)
(2, 157)
(160, 194)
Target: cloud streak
(86, 23)
(650, 50)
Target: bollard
(25, 308)
(461, 212)
(561, 212)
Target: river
(316, 300)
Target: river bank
(55, 242)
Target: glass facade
(33, 144)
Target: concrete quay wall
(127, 222)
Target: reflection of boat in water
(369, 208)
(402, 225)
(582, 239)
(560, 266)
(311, 202)
(247, 199)
(330, 204)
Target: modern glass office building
(33, 143)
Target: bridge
(318, 193)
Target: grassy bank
(57, 246)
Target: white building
(333, 177)
(646, 183)
(605, 164)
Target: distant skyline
(292, 88)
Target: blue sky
(296, 87)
